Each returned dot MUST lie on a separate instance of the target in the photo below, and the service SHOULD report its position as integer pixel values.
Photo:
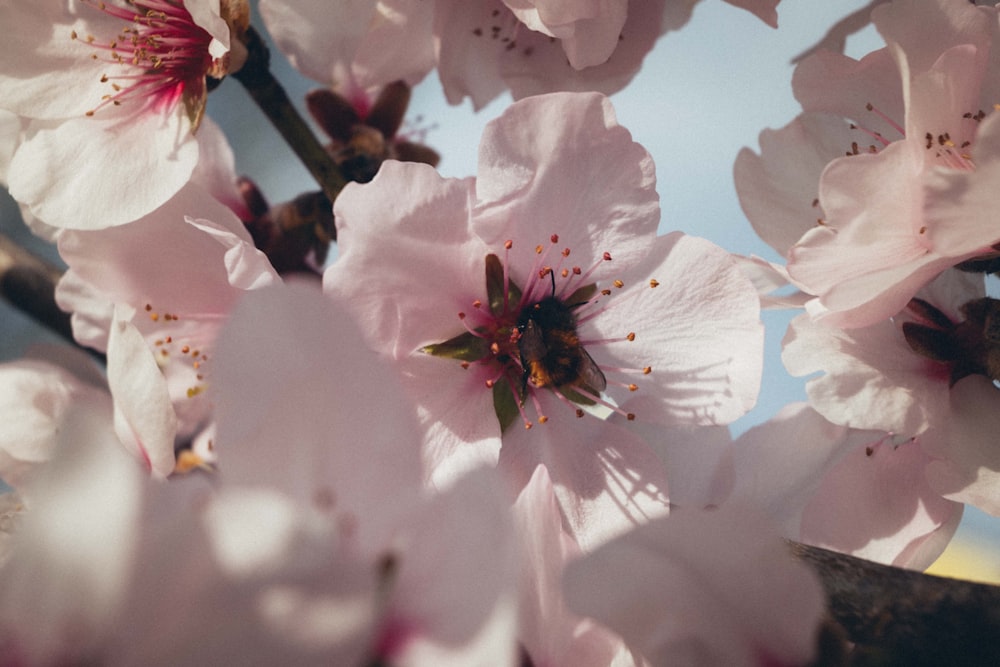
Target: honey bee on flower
(539, 292)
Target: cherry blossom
(117, 85)
(679, 593)
(174, 275)
(926, 375)
(550, 633)
(37, 394)
(270, 563)
(855, 491)
(920, 128)
(349, 451)
(480, 49)
(564, 213)
(45, 388)
(107, 566)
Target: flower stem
(270, 96)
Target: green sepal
(504, 404)
(495, 287)
(465, 346)
(579, 399)
(581, 296)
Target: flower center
(529, 340)
(970, 347)
(161, 54)
(943, 149)
(178, 350)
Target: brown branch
(901, 617)
(29, 284)
(272, 99)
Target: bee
(550, 349)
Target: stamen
(582, 278)
(611, 406)
(162, 40)
(468, 327)
(893, 124)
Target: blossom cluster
(493, 429)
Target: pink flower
(679, 593)
(479, 48)
(346, 454)
(911, 197)
(36, 395)
(108, 565)
(174, 277)
(110, 91)
(42, 391)
(564, 213)
(317, 545)
(550, 633)
(854, 491)
(925, 376)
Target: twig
(29, 284)
(272, 99)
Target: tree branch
(901, 617)
(29, 284)
(272, 99)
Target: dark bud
(332, 113)
(387, 113)
(296, 235)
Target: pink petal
(144, 417)
(876, 504)
(421, 220)
(606, 478)
(550, 633)
(52, 171)
(778, 188)
(676, 591)
(538, 65)
(538, 176)
(458, 573)
(699, 330)
(966, 465)
(301, 404)
(71, 563)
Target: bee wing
(591, 373)
(531, 344)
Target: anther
(619, 284)
(630, 336)
(653, 282)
